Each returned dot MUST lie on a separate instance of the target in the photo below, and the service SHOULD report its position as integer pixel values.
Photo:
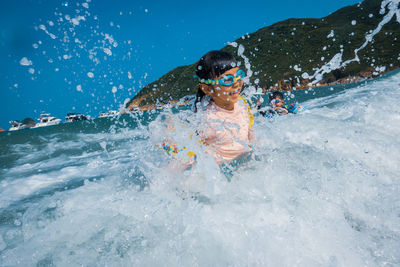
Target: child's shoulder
(246, 108)
(242, 103)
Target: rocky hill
(280, 54)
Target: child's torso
(227, 132)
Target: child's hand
(281, 111)
(181, 158)
(259, 101)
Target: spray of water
(321, 190)
(393, 10)
(78, 45)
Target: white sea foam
(323, 189)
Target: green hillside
(273, 52)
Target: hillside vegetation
(279, 54)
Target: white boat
(111, 113)
(46, 120)
(16, 125)
(71, 117)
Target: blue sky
(87, 56)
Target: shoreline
(284, 85)
(287, 85)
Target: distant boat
(71, 117)
(46, 120)
(16, 125)
(111, 113)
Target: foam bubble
(25, 62)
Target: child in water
(277, 106)
(277, 103)
(225, 116)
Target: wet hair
(210, 66)
(275, 94)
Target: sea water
(322, 188)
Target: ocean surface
(322, 188)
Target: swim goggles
(275, 102)
(227, 80)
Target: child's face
(226, 96)
(278, 102)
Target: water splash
(77, 45)
(393, 9)
(250, 88)
(321, 190)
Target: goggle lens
(227, 80)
